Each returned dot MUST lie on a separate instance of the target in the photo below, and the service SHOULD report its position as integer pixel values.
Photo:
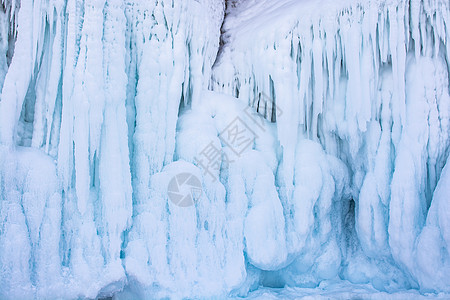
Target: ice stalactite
(369, 81)
(172, 55)
(94, 88)
(344, 174)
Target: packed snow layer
(369, 82)
(330, 163)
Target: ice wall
(345, 174)
(88, 110)
(368, 82)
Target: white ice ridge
(103, 104)
(369, 81)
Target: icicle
(330, 44)
(114, 170)
(55, 77)
(318, 80)
(18, 77)
(65, 149)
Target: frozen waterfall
(212, 148)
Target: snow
(308, 141)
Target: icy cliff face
(330, 161)
(367, 82)
(92, 92)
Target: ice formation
(367, 82)
(342, 176)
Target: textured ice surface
(369, 82)
(319, 155)
(329, 290)
(93, 90)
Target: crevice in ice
(9, 26)
(224, 35)
(26, 120)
